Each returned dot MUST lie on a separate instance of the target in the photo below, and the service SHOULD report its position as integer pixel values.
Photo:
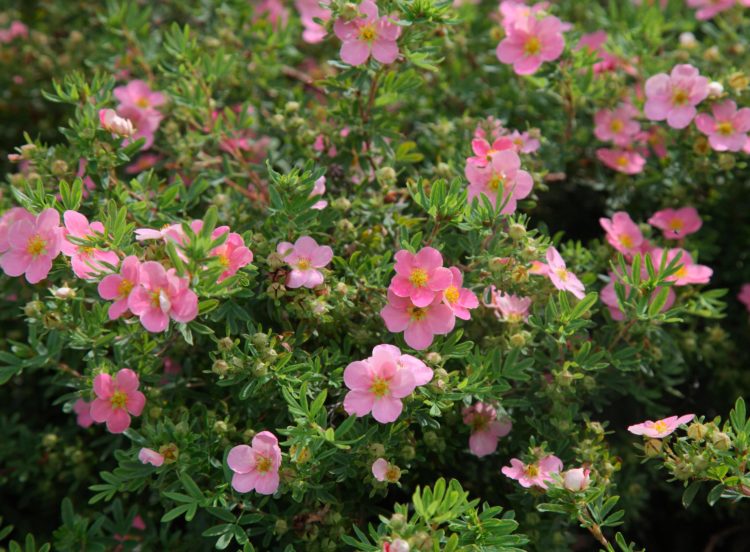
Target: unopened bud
(653, 447)
(697, 431)
(517, 232)
(721, 440)
(220, 367)
(687, 40)
(715, 90)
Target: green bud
(280, 527)
(59, 167)
(341, 204)
(386, 176)
(653, 447)
(226, 344)
(259, 340)
(220, 368)
(377, 450)
(697, 431)
(517, 232)
(721, 440)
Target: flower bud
(738, 81)
(577, 479)
(376, 449)
(170, 452)
(111, 121)
(291, 107)
(259, 340)
(341, 204)
(397, 545)
(727, 161)
(49, 440)
(518, 340)
(27, 150)
(721, 440)
(221, 427)
(687, 40)
(226, 344)
(386, 176)
(220, 368)
(397, 522)
(712, 54)
(408, 452)
(276, 290)
(443, 170)
(517, 232)
(715, 90)
(280, 527)
(33, 309)
(59, 167)
(653, 447)
(697, 431)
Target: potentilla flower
(137, 94)
(7, 220)
(688, 272)
(305, 257)
(709, 8)
(160, 295)
(117, 287)
(525, 142)
(593, 42)
(421, 277)
(383, 470)
(537, 474)
(397, 545)
(675, 224)
(660, 428)
(419, 324)
(617, 125)
(608, 296)
(150, 456)
(560, 276)
(517, 12)
(273, 10)
(368, 34)
(577, 479)
(86, 261)
(744, 296)
(673, 97)
(117, 399)
(420, 372)
(232, 254)
(503, 175)
(83, 413)
(114, 123)
(309, 10)
(34, 243)
(655, 138)
(483, 150)
(621, 160)
(530, 42)
(459, 299)
(486, 429)
(508, 307)
(145, 123)
(377, 385)
(727, 129)
(256, 468)
(622, 233)
(319, 188)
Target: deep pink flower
(744, 296)
(622, 233)
(232, 254)
(305, 257)
(675, 224)
(309, 10)
(117, 287)
(660, 428)
(709, 8)
(421, 276)
(486, 429)
(420, 372)
(83, 412)
(86, 261)
(160, 295)
(688, 272)
(560, 276)
(535, 474)
(9, 218)
(502, 175)
(577, 479)
(608, 296)
(256, 468)
(530, 42)
(117, 399)
(510, 308)
(368, 35)
(617, 125)
(727, 129)
(150, 456)
(624, 161)
(137, 94)
(673, 97)
(459, 299)
(33, 245)
(419, 324)
(483, 150)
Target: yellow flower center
(725, 128)
(142, 102)
(156, 299)
(303, 264)
(118, 400)
(124, 288)
(415, 313)
(451, 294)
(418, 277)
(223, 260)
(626, 241)
(496, 182)
(622, 161)
(562, 273)
(676, 224)
(263, 464)
(367, 32)
(478, 423)
(532, 470)
(660, 426)
(680, 97)
(392, 474)
(36, 246)
(617, 125)
(681, 272)
(532, 46)
(379, 387)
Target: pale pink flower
(114, 123)
(577, 479)
(150, 456)
(384, 471)
(83, 413)
(593, 42)
(675, 224)
(145, 123)
(622, 233)
(309, 10)
(660, 428)
(486, 429)
(673, 97)
(137, 94)
(9, 218)
(160, 295)
(617, 125)
(377, 385)
(524, 142)
(420, 372)
(368, 34)
(117, 287)
(744, 296)
(419, 324)
(517, 13)
(508, 307)
(117, 399)
(560, 276)
(531, 42)
(727, 129)
(273, 10)
(86, 261)
(305, 257)
(709, 8)
(483, 150)
(319, 188)
(503, 175)
(624, 161)
(232, 254)
(256, 468)
(33, 244)
(537, 474)
(688, 272)
(459, 299)
(421, 276)
(608, 296)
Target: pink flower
(114, 123)
(118, 287)
(727, 129)
(486, 429)
(516, 13)
(624, 161)
(160, 295)
(524, 142)
(368, 35)
(143, 163)
(421, 276)
(744, 296)
(137, 94)
(502, 175)
(577, 479)
(560, 276)
(489, 128)
(138, 103)
(709, 8)
(459, 299)
(483, 150)
(617, 125)
(83, 411)
(536, 474)
(150, 456)
(34, 243)
(309, 10)
(9, 218)
(673, 97)
(675, 224)
(319, 188)
(622, 233)
(510, 308)
(117, 399)
(382, 470)
(660, 428)
(145, 123)
(305, 257)
(593, 42)
(530, 42)
(86, 261)
(420, 372)
(232, 254)
(256, 468)
(608, 296)
(274, 10)
(688, 272)
(419, 324)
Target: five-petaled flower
(117, 399)
(256, 467)
(660, 428)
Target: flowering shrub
(382, 275)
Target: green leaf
(689, 494)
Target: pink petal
(241, 459)
(355, 52)
(386, 409)
(358, 402)
(135, 403)
(118, 421)
(266, 484)
(357, 375)
(385, 51)
(244, 482)
(127, 380)
(100, 410)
